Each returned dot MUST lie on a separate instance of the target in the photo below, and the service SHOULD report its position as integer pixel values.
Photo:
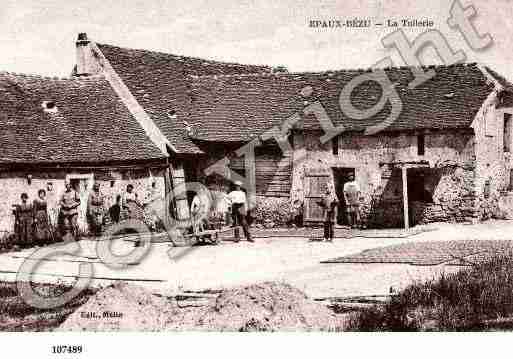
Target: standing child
(328, 204)
(115, 210)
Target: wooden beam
(250, 174)
(405, 197)
(168, 188)
(181, 203)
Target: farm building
(77, 129)
(446, 157)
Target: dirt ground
(290, 260)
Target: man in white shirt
(352, 198)
(237, 198)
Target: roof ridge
(182, 57)
(52, 78)
(326, 72)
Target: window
(334, 145)
(507, 132)
(237, 165)
(49, 106)
(421, 145)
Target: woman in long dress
(132, 204)
(42, 229)
(24, 215)
(96, 210)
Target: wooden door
(316, 182)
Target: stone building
(445, 157)
(56, 129)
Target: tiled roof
(160, 84)
(235, 108)
(90, 124)
(500, 79)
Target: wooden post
(405, 197)
(167, 192)
(250, 173)
(182, 206)
(298, 156)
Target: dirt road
(293, 260)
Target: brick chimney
(86, 63)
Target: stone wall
(493, 165)
(449, 176)
(453, 197)
(113, 182)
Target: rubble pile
(268, 306)
(120, 307)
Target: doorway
(419, 197)
(341, 176)
(82, 184)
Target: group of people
(236, 205)
(33, 223)
(127, 205)
(31, 219)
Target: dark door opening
(418, 194)
(341, 176)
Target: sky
(39, 36)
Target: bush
(16, 315)
(7, 241)
(473, 299)
(274, 212)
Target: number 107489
(66, 349)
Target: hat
(237, 183)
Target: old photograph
(256, 166)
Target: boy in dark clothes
(328, 204)
(115, 210)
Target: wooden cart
(207, 232)
(208, 236)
